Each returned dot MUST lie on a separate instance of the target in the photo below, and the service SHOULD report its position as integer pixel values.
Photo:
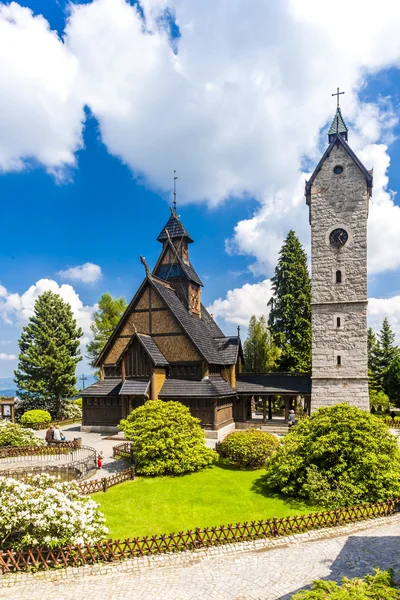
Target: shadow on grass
(260, 486)
(222, 463)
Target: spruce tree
(373, 361)
(49, 353)
(386, 354)
(290, 307)
(260, 353)
(104, 322)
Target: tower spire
(175, 178)
(338, 126)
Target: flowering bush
(36, 417)
(12, 434)
(44, 511)
(71, 410)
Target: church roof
(175, 230)
(273, 383)
(152, 350)
(338, 126)
(208, 387)
(177, 269)
(228, 349)
(103, 387)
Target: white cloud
(379, 308)
(41, 112)
(87, 273)
(241, 303)
(4, 356)
(236, 109)
(18, 308)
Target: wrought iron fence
(12, 561)
(68, 460)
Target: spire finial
(337, 96)
(175, 178)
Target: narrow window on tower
(339, 360)
(338, 276)
(338, 324)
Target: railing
(68, 460)
(124, 450)
(12, 561)
(393, 423)
(102, 485)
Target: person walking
(100, 459)
(50, 435)
(292, 418)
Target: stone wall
(339, 201)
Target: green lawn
(215, 496)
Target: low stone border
(186, 558)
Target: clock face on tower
(338, 237)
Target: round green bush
(78, 402)
(249, 449)
(32, 418)
(340, 456)
(166, 439)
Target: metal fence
(12, 561)
(124, 450)
(68, 460)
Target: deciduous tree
(105, 319)
(260, 353)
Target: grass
(216, 496)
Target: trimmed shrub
(167, 440)
(33, 418)
(249, 448)
(373, 587)
(340, 456)
(78, 402)
(12, 434)
(43, 511)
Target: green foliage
(260, 353)
(12, 434)
(372, 587)
(290, 314)
(78, 402)
(166, 439)
(49, 353)
(71, 410)
(378, 401)
(249, 449)
(104, 322)
(373, 361)
(35, 417)
(340, 456)
(392, 381)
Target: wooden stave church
(168, 346)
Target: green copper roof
(338, 125)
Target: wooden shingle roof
(212, 387)
(175, 230)
(273, 383)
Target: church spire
(338, 126)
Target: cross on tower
(337, 95)
(83, 379)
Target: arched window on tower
(338, 276)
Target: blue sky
(99, 103)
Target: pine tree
(373, 361)
(290, 314)
(260, 353)
(386, 354)
(49, 353)
(105, 320)
(392, 381)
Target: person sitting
(58, 435)
(50, 435)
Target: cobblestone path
(253, 575)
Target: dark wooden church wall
(106, 410)
(137, 362)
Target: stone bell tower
(338, 195)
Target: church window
(338, 169)
(338, 276)
(337, 321)
(339, 360)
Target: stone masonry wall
(339, 201)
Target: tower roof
(175, 230)
(338, 126)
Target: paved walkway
(263, 574)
